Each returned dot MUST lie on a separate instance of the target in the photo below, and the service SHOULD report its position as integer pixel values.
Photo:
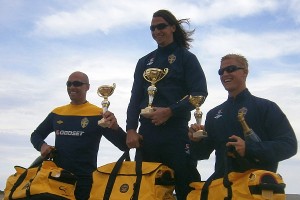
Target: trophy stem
(197, 101)
(151, 93)
(198, 116)
(105, 104)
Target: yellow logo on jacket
(84, 122)
(171, 58)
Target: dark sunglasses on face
(160, 26)
(229, 69)
(75, 83)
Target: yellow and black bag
(252, 184)
(249, 184)
(46, 181)
(133, 180)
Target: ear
(87, 87)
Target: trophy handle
(165, 72)
(114, 87)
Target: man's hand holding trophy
(197, 101)
(105, 91)
(152, 75)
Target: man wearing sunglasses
(164, 133)
(264, 117)
(77, 134)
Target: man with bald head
(77, 134)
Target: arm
(116, 137)
(114, 133)
(133, 110)
(279, 140)
(40, 133)
(195, 82)
(202, 148)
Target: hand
(133, 139)
(160, 115)
(46, 150)
(194, 128)
(238, 143)
(110, 118)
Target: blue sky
(42, 42)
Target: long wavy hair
(181, 36)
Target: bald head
(80, 76)
(77, 87)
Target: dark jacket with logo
(267, 121)
(77, 137)
(185, 77)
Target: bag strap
(37, 163)
(138, 171)
(204, 191)
(17, 184)
(227, 184)
(113, 175)
(116, 169)
(20, 181)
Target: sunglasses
(229, 69)
(160, 26)
(75, 83)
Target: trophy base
(146, 112)
(103, 123)
(200, 134)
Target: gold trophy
(152, 75)
(105, 91)
(197, 101)
(248, 132)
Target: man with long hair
(162, 135)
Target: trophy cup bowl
(197, 101)
(152, 75)
(105, 91)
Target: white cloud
(294, 8)
(268, 45)
(93, 16)
(104, 16)
(208, 12)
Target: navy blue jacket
(185, 77)
(77, 137)
(264, 117)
